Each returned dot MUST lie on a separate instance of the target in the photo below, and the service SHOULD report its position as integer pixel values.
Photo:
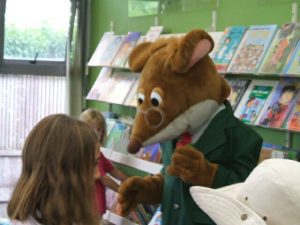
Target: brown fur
(181, 72)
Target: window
(34, 36)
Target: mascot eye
(155, 98)
(141, 98)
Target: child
(97, 121)
(56, 185)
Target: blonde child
(96, 120)
(56, 185)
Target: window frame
(32, 67)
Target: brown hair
(56, 182)
(95, 119)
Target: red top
(105, 166)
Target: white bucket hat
(269, 196)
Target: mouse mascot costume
(182, 105)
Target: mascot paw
(190, 165)
(135, 190)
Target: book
(277, 151)
(100, 84)
(118, 87)
(293, 121)
(292, 66)
(252, 48)
(280, 49)
(276, 111)
(156, 218)
(238, 88)
(153, 33)
(254, 99)
(127, 45)
(113, 44)
(94, 61)
(150, 153)
(216, 36)
(227, 46)
(131, 98)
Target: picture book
(292, 67)
(150, 153)
(94, 61)
(131, 98)
(156, 218)
(238, 88)
(127, 45)
(254, 99)
(227, 46)
(111, 49)
(280, 49)
(293, 120)
(277, 151)
(153, 33)
(100, 84)
(216, 36)
(276, 111)
(252, 48)
(118, 87)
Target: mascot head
(179, 87)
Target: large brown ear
(139, 56)
(192, 47)
(142, 52)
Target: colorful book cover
(150, 153)
(276, 111)
(281, 47)
(153, 33)
(157, 217)
(293, 121)
(131, 98)
(118, 87)
(252, 49)
(111, 49)
(94, 61)
(100, 84)
(293, 65)
(216, 36)
(125, 49)
(227, 46)
(254, 99)
(238, 88)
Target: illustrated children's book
(125, 49)
(252, 48)
(293, 65)
(157, 217)
(131, 98)
(111, 49)
(227, 46)
(276, 111)
(216, 36)
(254, 99)
(100, 84)
(94, 61)
(293, 121)
(118, 87)
(280, 49)
(150, 153)
(238, 88)
(153, 33)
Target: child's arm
(118, 174)
(109, 183)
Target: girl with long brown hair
(56, 185)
